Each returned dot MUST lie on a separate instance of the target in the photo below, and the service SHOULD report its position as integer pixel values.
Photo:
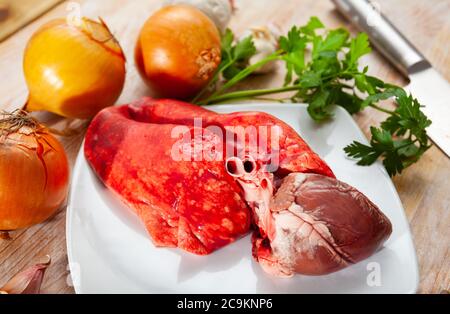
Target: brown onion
(34, 172)
(178, 51)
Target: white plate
(110, 252)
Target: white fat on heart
(293, 236)
(299, 179)
(297, 232)
(319, 226)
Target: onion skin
(34, 177)
(178, 51)
(73, 71)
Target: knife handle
(384, 36)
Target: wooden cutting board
(16, 14)
(423, 188)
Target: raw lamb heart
(318, 225)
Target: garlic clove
(265, 39)
(28, 281)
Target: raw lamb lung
(194, 205)
(191, 205)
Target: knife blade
(426, 84)
(433, 92)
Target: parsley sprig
(322, 70)
(400, 141)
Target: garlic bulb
(219, 11)
(266, 43)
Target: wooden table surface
(423, 188)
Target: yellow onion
(34, 172)
(73, 70)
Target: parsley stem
(246, 72)
(407, 144)
(248, 94)
(280, 100)
(338, 75)
(382, 109)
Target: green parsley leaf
(359, 47)
(366, 154)
(317, 108)
(313, 24)
(391, 91)
(227, 42)
(350, 102)
(234, 56)
(310, 79)
(244, 49)
(334, 41)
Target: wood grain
(16, 14)
(423, 188)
